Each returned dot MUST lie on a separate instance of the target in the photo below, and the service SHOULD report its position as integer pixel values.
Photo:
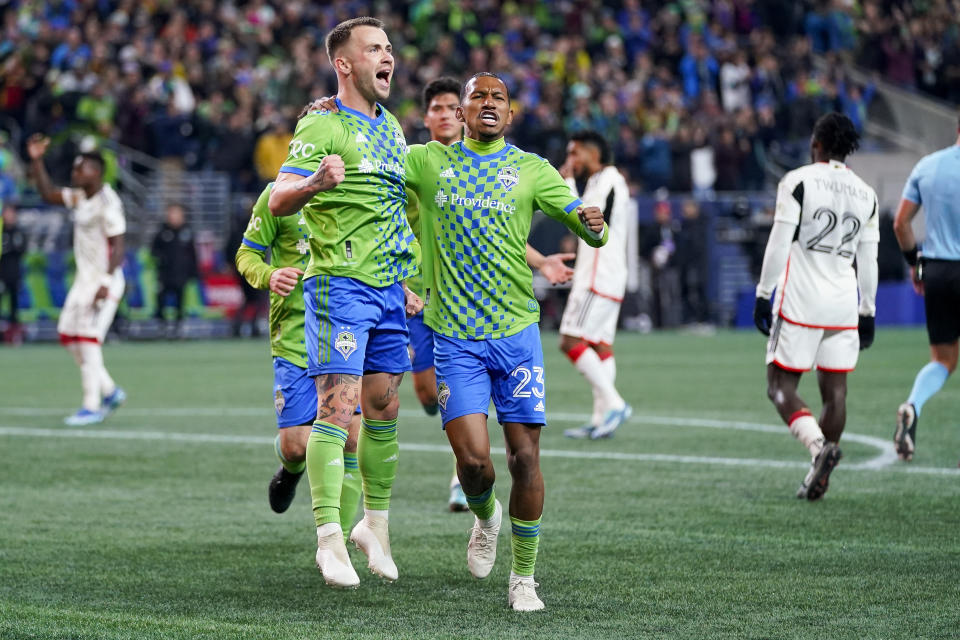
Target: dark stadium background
(705, 101)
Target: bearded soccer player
(441, 97)
(345, 171)
(91, 304)
(589, 322)
(825, 217)
(477, 198)
(294, 392)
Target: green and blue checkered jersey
(414, 282)
(476, 204)
(358, 229)
(287, 239)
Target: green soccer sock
(378, 453)
(484, 504)
(525, 541)
(325, 470)
(292, 467)
(350, 493)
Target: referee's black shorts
(941, 282)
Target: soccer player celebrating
(92, 302)
(589, 321)
(441, 97)
(825, 217)
(294, 393)
(345, 171)
(933, 185)
(477, 199)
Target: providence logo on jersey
(456, 199)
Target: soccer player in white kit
(589, 321)
(825, 217)
(98, 285)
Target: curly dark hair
(837, 135)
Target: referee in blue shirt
(934, 184)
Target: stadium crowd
(694, 93)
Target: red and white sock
(804, 427)
(589, 364)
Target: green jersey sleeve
(314, 138)
(414, 164)
(260, 234)
(554, 197)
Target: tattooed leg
(337, 397)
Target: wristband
(910, 255)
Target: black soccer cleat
(905, 435)
(818, 478)
(282, 489)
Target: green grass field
(685, 525)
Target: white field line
(883, 460)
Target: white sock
(805, 429)
(91, 362)
(596, 418)
(591, 367)
(376, 513)
(610, 366)
(329, 528)
(107, 385)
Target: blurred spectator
(272, 147)
(250, 309)
(185, 80)
(176, 259)
(693, 263)
(659, 248)
(11, 259)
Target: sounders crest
(346, 343)
(443, 394)
(508, 177)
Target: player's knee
(568, 343)
(523, 461)
(473, 467)
(836, 396)
(293, 450)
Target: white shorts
(80, 317)
(590, 316)
(794, 347)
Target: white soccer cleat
(522, 594)
(611, 421)
(482, 548)
(579, 433)
(83, 417)
(334, 562)
(372, 537)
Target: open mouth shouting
(489, 117)
(383, 78)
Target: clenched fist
(329, 174)
(592, 218)
(284, 280)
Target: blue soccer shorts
(421, 343)
(509, 370)
(294, 394)
(352, 327)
